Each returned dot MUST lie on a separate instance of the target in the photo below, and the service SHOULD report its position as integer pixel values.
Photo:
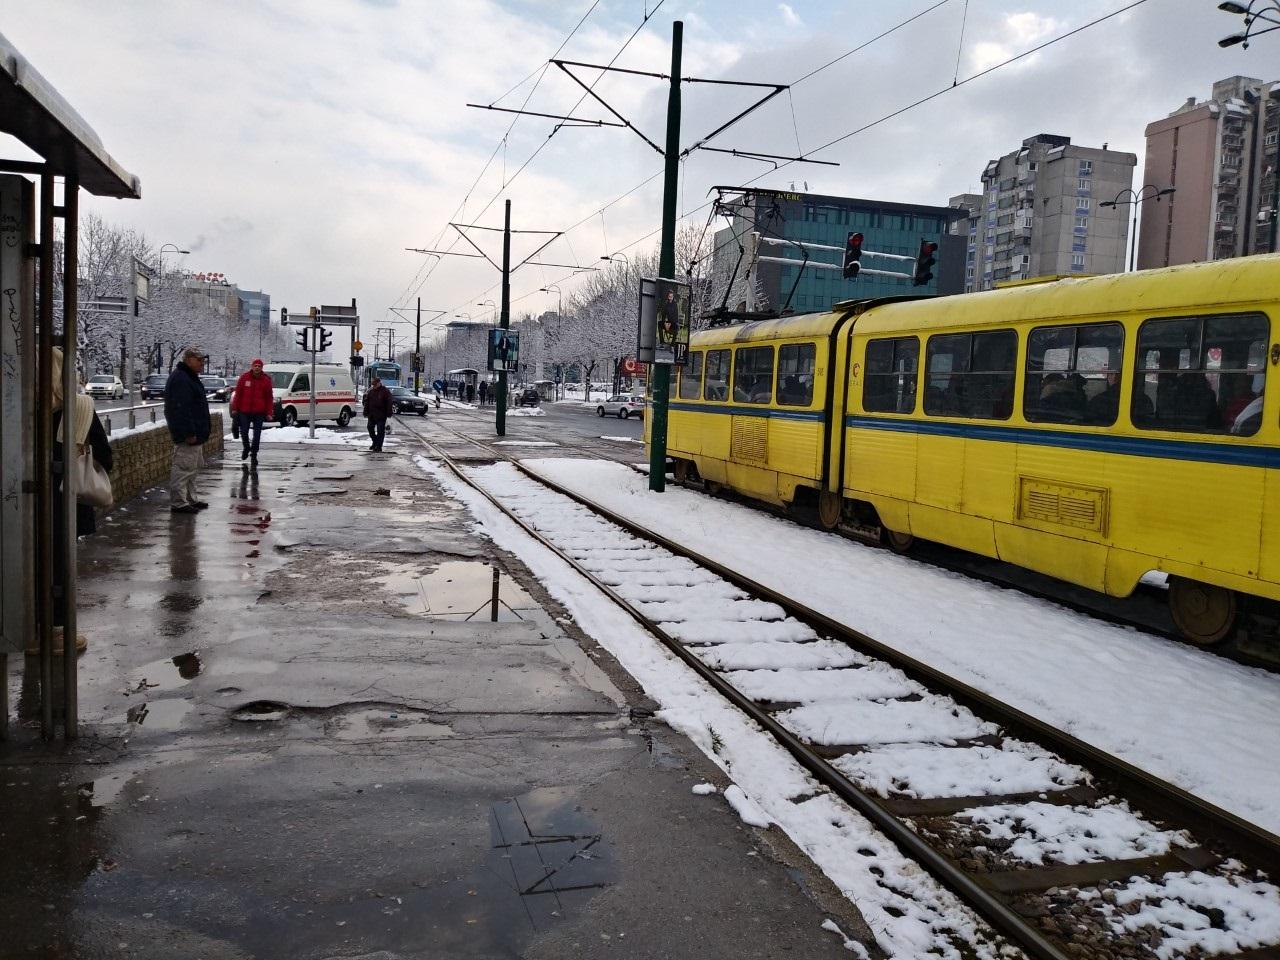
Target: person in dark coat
(86, 429)
(377, 407)
(484, 393)
(186, 410)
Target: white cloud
(789, 16)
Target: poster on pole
(504, 350)
(664, 321)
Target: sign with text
(504, 350)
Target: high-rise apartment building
(1040, 213)
(1220, 156)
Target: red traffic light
(852, 253)
(924, 260)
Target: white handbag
(93, 486)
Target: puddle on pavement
(547, 857)
(261, 711)
(460, 590)
(586, 670)
(180, 602)
(167, 674)
(159, 714)
(374, 724)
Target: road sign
(357, 346)
(336, 316)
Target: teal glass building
(893, 228)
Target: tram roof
(32, 111)
(1220, 283)
(800, 325)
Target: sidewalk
(305, 735)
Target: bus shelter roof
(461, 370)
(35, 113)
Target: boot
(33, 644)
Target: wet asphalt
(327, 719)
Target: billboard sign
(504, 350)
(664, 322)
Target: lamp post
(160, 256)
(559, 298)
(615, 257)
(1136, 199)
(1268, 12)
(489, 303)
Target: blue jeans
(247, 420)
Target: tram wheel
(682, 471)
(1204, 614)
(830, 509)
(900, 543)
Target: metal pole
(128, 338)
(315, 335)
(417, 352)
(44, 458)
(70, 385)
(1133, 240)
(505, 321)
(666, 266)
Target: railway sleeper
(1033, 879)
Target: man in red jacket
(251, 404)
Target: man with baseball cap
(251, 404)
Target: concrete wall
(1181, 153)
(142, 459)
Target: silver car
(105, 385)
(622, 405)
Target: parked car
(217, 389)
(528, 397)
(404, 400)
(105, 385)
(622, 406)
(153, 386)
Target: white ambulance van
(291, 384)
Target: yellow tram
(1092, 429)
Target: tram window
(753, 375)
(890, 386)
(1201, 374)
(1073, 374)
(716, 381)
(971, 375)
(691, 377)
(795, 374)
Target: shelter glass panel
(1073, 374)
(1202, 374)
(691, 377)
(795, 374)
(971, 375)
(753, 375)
(892, 367)
(716, 380)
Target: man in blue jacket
(187, 411)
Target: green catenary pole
(666, 267)
(506, 318)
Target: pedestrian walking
(484, 393)
(186, 410)
(86, 433)
(471, 393)
(251, 404)
(377, 407)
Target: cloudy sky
(299, 147)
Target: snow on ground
(143, 426)
(909, 913)
(525, 443)
(623, 439)
(926, 770)
(1197, 720)
(327, 436)
(526, 412)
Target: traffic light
(284, 317)
(924, 260)
(326, 338)
(304, 340)
(852, 254)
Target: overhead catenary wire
(955, 85)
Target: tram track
(956, 836)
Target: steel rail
(1258, 847)
(963, 885)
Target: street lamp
(616, 257)
(160, 256)
(559, 298)
(461, 315)
(1267, 12)
(1136, 199)
(494, 305)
